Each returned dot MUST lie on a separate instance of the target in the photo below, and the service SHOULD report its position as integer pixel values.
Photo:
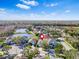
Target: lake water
(20, 31)
(25, 35)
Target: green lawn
(1, 43)
(1, 53)
(47, 57)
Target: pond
(20, 31)
(22, 35)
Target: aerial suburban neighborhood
(39, 29)
(39, 40)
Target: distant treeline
(40, 23)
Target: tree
(45, 44)
(35, 52)
(17, 40)
(58, 48)
(70, 54)
(36, 34)
(1, 53)
(30, 28)
(6, 47)
(76, 45)
(55, 34)
(66, 30)
(29, 53)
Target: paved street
(66, 46)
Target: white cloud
(53, 14)
(49, 14)
(51, 5)
(31, 16)
(22, 6)
(32, 3)
(67, 11)
(35, 16)
(2, 11)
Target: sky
(39, 9)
